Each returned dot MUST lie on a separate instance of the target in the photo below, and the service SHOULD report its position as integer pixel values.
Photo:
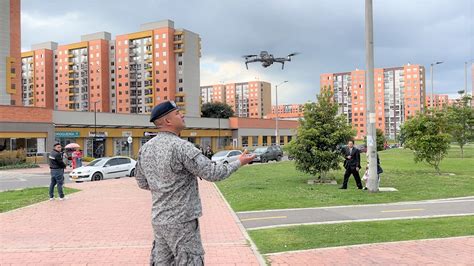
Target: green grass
(279, 185)
(331, 235)
(14, 199)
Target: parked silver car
(226, 156)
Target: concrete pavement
(108, 222)
(357, 213)
(446, 251)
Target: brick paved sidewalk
(108, 222)
(447, 251)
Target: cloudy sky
(329, 34)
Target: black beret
(162, 109)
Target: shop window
(245, 141)
(254, 141)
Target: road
(357, 213)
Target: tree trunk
(462, 152)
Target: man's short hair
(56, 144)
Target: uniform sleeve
(199, 165)
(140, 174)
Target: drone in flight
(267, 59)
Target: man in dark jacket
(56, 165)
(351, 164)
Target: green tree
(426, 134)
(380, 139)
(461, 121)
(320, 134)
(217, 110)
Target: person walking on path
(56, 166)
(169, 166)
(351, 164)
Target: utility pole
(432, 91)
(465, 78)
(277, 137)
(373, 184)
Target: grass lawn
(331, 235)
(279, 185)
(14, 199)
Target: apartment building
(399, 94)
(82, 74)
(287, 111)
(37, 77)
(440, 101)
(10, 52)
(158, 63)
(248, 99)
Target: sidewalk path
(108, 222)
(448, 251)
(357, 213)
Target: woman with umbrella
(76, 154)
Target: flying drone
(267, 59)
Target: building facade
(287, 111)
(248, 99)
(128, 75)
(399, 94)
(10, 52)
(440, 101)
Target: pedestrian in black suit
(352, 164)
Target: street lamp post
(431, 72)
(277, 138)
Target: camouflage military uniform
(168, 166)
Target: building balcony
(70, 55)
(180, 50)
(180, 103)
(180, 94)
(71, 63)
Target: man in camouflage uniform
(168, 166)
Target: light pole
(277, 139)
(373, 182)
(431, 72)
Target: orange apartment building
(399, 94)
(10, 52)
(158, 63)
(287, 111)
(82, 74)
(440, 101)
(128, 75)
(248, 99)
(37, 79)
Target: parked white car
(104, 168)
(226, 156)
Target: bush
(19, 166)
(12, 157)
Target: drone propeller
(248, 56)
(293, 54)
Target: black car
(265, 154)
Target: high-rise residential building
(83, 74)
(248, 99)
(399, 94)
(128, 75)
(158, 63)
(37, 76)
(287, 111)
(10, 52)
(440, 101)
